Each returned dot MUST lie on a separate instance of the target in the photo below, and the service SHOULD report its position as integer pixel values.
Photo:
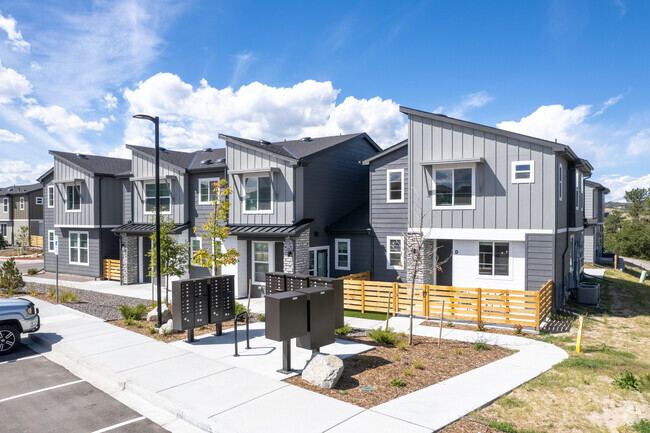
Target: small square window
(523, 171)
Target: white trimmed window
(5, 205)
(3, 229)
(494, 258)
(79, 248)
(453, 188)
(39, 201)
(394, 252)
(208, 189)
(582, 192)
(150, 198)
(577, 194)
(258, 194)
(342, 254)
(72, 198)
(262, 261)
(196, 244)
(22, 203)
(395, 186)
(560, 174)
(50, 196)
(523, 171)
(50, 241)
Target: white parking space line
(113, 427)
(41, 390)
(20, 359)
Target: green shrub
(32, 290)
(480, 326)
(627, 380)
(261, 318)
(449, 325)
(402, 345)
(459, 351)
(128, 321)
(408, 373)
(481, 345)
(239, 308)
(138, 325)
(152, 329)
(518, 328)
(641, 426)
(3, 242)
(344, 392)
(68, 296)
(10, 277)
(344, 330)
(398, 383)
(32, 271)
(380, 336)
(51, 292)
(503, 426)
(419, 365)
(139, 312)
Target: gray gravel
(97, 304)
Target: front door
(321, 263)
(444, 257)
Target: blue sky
(73, 73)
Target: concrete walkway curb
(185, 391)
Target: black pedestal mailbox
(222, 298)
(275, 282)
(337, 285)
(191, 298)
(297, 282)
(320, 321)
(286, 315)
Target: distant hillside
(611, 205)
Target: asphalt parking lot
(38, 395)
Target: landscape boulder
(167, 328)
(152, 316)
(323, 371)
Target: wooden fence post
(395, 298)
(479, 301)
(425, 300)
(537, 311)
(363, 297)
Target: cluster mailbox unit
(201, 301)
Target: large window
(395, 252)
(454, 187)
(395, 186)
(5, 205)
(150, 198)
(493, 258)
(342, 254)
(261, 261)
(258, 194)
(523, 171)
(50, 241)
(72, 198)
(79, 248)
(208, 189)
(50, 196)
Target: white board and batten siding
(465, 267)
(64, 171)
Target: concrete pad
(401, 324)
(148, 353)
(357, 322)
(290, 408)
(219, 392)
(595, 272)
(175, 371)
(369, 420)
(115, 340)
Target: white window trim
(50, 193)
(39, 201)
(192, 251)
(510, 276)
(209, 181)
(50, 246)
(79, 248)
(452, 168)
(561, 180)
(577, 194)
(513, 171)
(144, 200)
(3, 232)
(258, 212)
(388, 173)
(315, 251)
(271, 261)
(402, 258)
(22, 203)
(336, 252)
(66, 199)
(5, 205)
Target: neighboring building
(186, 195)
(287, 197)
(83, 202)
(21, 206)
(494, 209)
(594, 220)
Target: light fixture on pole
(155, 121)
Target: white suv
(17, 315)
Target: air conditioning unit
(589, 293)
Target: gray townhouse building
(594, 220)
(83, 203)
(492, 208)
(288, 200)
(21, 206)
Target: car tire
(9, 339)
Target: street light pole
(156, 122)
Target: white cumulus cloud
(10, 137)
(192, 118)
(12, 85)
(471, 101)
(15, 38)
(110, 101)
(619, 184)
(58, 120)
(640, 144)
(15, 172)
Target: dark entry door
(445, 257)
(321, 263)
(146, 246)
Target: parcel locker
(286, 315)
(320, 320)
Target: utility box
(275, 282)
(222, 298)
(337, 285)
(286, 315)
(320, 318)
(297, 282)
(191, 304)
(588, 293)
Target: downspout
(101, 257)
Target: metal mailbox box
(222, 298)
(337, 285)
(190, 298)
(320, 318)
(275, 282)
(297, 282)
(286, 315)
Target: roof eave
(248, 146)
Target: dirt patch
(417, 366)
(467, 426)
(16, 252)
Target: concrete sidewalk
(141, 291)
(195, 391)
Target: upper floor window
(50, 196)
(5, 205)
(150, 198)
(560, 176)
(258, 194)
(22, 203)
(493, 258)
(454, 187)
(208, 190)
(395, 252)
(342, 254)
(39, 201)
(72, 197)
(395, 186)
(523, 171)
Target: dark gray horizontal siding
(539, 260)
(360, 258)
(94, 267)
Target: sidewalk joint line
(114, 426)
(248, 401)
(41, 390)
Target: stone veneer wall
(129, 259)
(424, 273)
(300, 254)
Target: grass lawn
(583, 393)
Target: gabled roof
(173, 157)
(208, 159)
(199, 160)
(46, 174)
(97, 165)
(21, 189)
(596, 185)
(297, 149)
(386, 151)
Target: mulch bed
(467, 426)
(380, 366)
(487, 330)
